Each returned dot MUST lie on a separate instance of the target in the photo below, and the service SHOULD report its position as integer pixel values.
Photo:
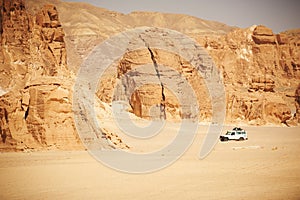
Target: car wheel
(240, 139)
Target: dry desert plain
(267, 166)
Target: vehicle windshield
(228, 133)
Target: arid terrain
(44, 43)
(46, 106)
(264, 167)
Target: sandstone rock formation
(261, 73)
(36, 101)
(260, 70)
(156, 90)
(259, 67)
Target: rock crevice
(162, 105)
(163, 97)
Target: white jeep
(235, 134)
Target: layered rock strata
(36, 98)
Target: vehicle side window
(232, 133)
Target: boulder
(263, 35)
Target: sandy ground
(267, 166)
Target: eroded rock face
(258, 66)
(35, 107)
(156, 83)
(260, 71)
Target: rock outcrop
(259, 68)
(260, 71)
(263, 35)
(36, 99)
(157, 90)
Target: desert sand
(267, 166)
(41, 50)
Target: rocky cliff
(35, 101)
(260, 70)
(261, 74)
